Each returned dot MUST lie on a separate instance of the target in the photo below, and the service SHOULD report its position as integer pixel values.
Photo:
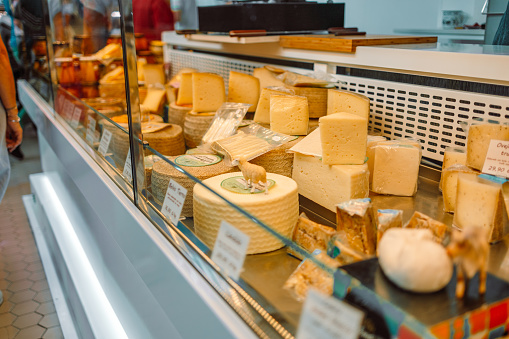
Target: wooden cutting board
(348, 43)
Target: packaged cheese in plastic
(226, 121)
(355, 218)
(310, 236)
(387, 219)
(262, 114)
(421, 220)
(249, 142)
(450, 184)
(308, 275)
(340, 250)
(452, 156)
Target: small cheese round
(413, 261)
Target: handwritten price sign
(230, 249)
(497, 159)
(174, 201)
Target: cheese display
(355, 219)
(177, 114)
(185, 92)
(208, 92)
(420, 220)
(267, 78)
(347, 101)
(110, 51)
(112, 84)
(289, 114)
(387, 219)
(279, 210)
(452, 156)
(201, 166)
(244, 88)
(262, 114)
(329, 185)
(153, 74)
(478, 141)
(344, 139)
(372, 141)
(396, 170)
(317, 99)
(155, 99)
(311, 236)
(195, 127)
(450, 184)
(479, 202)
(413, 261)
(278, 160)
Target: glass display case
(238, 227)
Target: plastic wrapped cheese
(387, 219)
(480, 134)
(311, 236)
(355, 218)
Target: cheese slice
(244, 88)
(267, 78)
(452, 156)
(478, 142)
(450, 184)
(479, 202)
(155, 99)
(262, 114)
(344, 139)
(153, 74)
(208, 92)
(329, 185)
(396, 170)
(289, 114)
(346, 101)
(185, 92)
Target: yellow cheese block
(329, 185)
(208, 92)
(452, 156)
(346, 101)
(479, 202)
(396, 170)
(373, 140)
(266, 78)
(262, 114)
(450, 184)
(139, 66)
(244, 88)
(185, 93)
(154, 74)
(317, 99)
(344, 139)
(478, 142)
(155, 99)
(289, 114)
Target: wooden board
(348, 43)
(233, 40)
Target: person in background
(185, 14)
(152, 17)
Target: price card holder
(174, 201)
(327, 317)
(75, 121)
(230, 249)
(497, 159)
(105, 142)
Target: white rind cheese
(329, 185)
(208, 92)
(289, 114)
(344, 139)
(346, 101)
(478, 142)
(244, 88)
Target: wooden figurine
(469, 250)
(253, 174)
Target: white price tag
(174, 201)
(497, 159)
(105, 142)
(128, 171)
(91, 123)
(68, 110)
(326, 317)
(230, 249)
(75, 122)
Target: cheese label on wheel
(239, 185)
(197, 160)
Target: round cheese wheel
(177, 114)
(195, 127)
(412, 260)
(279, 209)
(279, 160)
(201, 166)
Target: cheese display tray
(393, 312)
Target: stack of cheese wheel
(195, 127)
(177, 114)
(279, 209)
(202, 166)
(278, 160)
(317, 99)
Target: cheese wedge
(244, 88)
(267, 78)
(346, 101)
(373, 140)
(208, 92)
(329, 185)
(155, 99)
(355, 218)
(478, 142)
(153, 74)
(311, 236)
(344, 139)
(289, 114)
(262, 114)
(452, 156)
(185, 92)
(450, 184)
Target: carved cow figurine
(253, 174)
(469, 250)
